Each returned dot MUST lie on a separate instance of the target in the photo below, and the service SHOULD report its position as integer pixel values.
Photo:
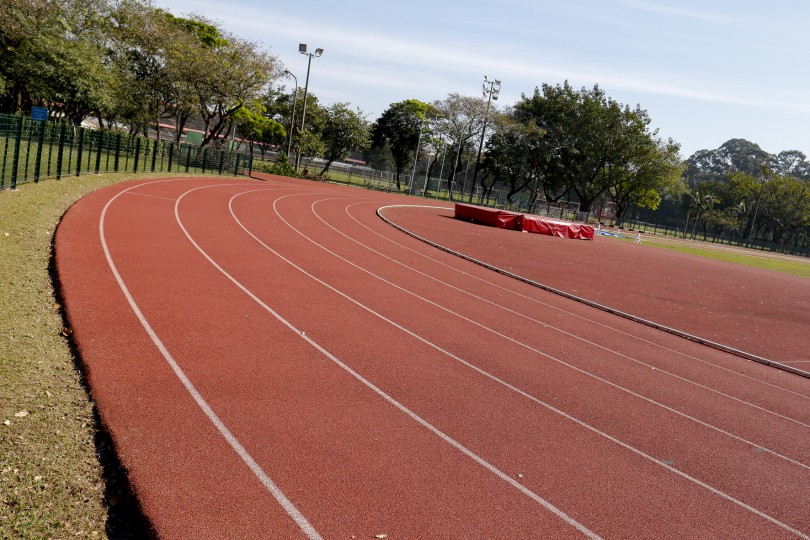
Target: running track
(274, 361)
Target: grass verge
(760, 260)
(59, 477)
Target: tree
(53, 54)
(254, 125)
(460, 118)
(235, 72)
(400, 129)
(785, 203)
(647, 169)
(517, 154)
(344, 131)
(582, 129)
(310, 146)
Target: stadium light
(302, 48)
(491, 89)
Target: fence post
(99, 148)
(117, 152)
(79, 152)
(188, 157)
(38, 164)
(28, 149)
(154, 155)
(137, 154)
(171, 155)
(126, 153)
(221, 161)
(205, 151)
(16, 161)
(51, 128)
(60, 153)
(5, 156)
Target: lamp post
(292, 117)
(491, 89)
(756, 210)
(302, 48)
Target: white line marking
(572, 314)
(546, 355)
(424, 423)
(552, 327)
(550, 407)
(274, 490)
(624, 314)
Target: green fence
(32, 150)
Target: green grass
(761, 260)
(57, 477)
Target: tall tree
(345, 130)
(400, 129)
(460, 119)
(582, 127)
(517, 154)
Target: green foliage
(399, 129)
(345, 130)
(283, 167)
(581, 127)
(125, 60)
(517, 155)
(254, 125)
(310, 146)
(459, 119)
(208, 34)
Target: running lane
(273, 360)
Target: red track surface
(274, 361)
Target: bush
(283, 167)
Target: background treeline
(132, 66)
(126, 63)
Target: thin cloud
(386, 62)
(678, 12)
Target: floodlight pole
(416, 158)
(756, 209)
(292, 117)
(491, 93)
(302, 48)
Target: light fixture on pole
(491, 89)
(292, 117)
(302, 48)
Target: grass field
(775, 262)
(58, 477)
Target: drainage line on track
(607, 309)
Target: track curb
(652, 324)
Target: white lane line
(572, 314)
(554, 328)
(151, 196)
(274, 490)
(548, 356)
(506, 384)
(421, 421)
(624, 314)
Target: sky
(705, 71)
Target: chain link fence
(32, 150)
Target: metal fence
(31, 150)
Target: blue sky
(705, 71)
